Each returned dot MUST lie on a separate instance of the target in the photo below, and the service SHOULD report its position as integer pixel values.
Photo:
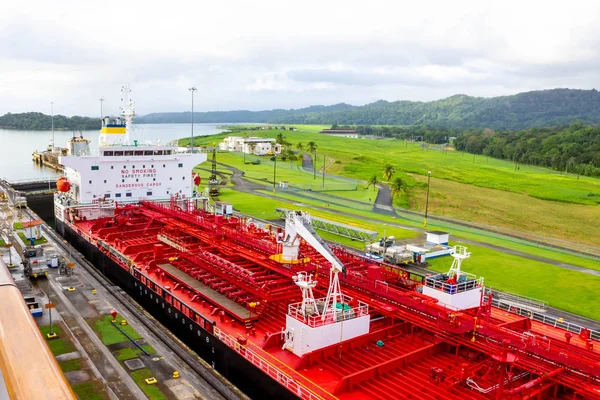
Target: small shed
(438, 237)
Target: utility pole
(324, 169)
(192, 89)
(52, 113)
(427, 201)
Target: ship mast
(127, 112)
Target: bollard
(93, 291)
(123, 322)
(71, 289)
(151, 381)
(176, 374)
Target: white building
(251, 145)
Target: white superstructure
(127, 172)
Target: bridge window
(148, 193)
(148, 152)
(95, 168)
(118, 153)
(107, 195)
(117, 194)
(180, 165)
(108, 153)
(105, 181)
(139, 153)
(128, 194)
(112, 167)
(129, 153)
(90, 181)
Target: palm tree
(388, 171)
(311, 147)
(397, 187)
(373, 181)
(280, 139)
(300, 147)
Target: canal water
(16, 147)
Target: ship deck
(221, 269)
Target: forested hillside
(574, 148)
(520, 111)
(38, 122)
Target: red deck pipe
(534, 382)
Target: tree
(311, 147)
(397, 187)
(373, 181)
(300, 147)
(388, 171)
(280, 139)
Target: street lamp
(274, 171)
(427, 201)
(192, 89)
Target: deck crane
(298, 225)
(213, 180)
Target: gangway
(338, 228)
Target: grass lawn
(70, 365)
(502, 271)
(41, 240)
(530, 278)
(91, 390)
(59, 345)
(109, 334)
(2, 243)
(129, 353)
(264, 208)
(478, 189)
(17, 225)
(152, 391)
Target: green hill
(520, 111)
(35, 121)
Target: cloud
(272, 54)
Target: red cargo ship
(282, 315)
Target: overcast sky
(287, 54)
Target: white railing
(333, 316)
(557, 322)
(469, 282)
(277, 374)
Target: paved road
(384, 202)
